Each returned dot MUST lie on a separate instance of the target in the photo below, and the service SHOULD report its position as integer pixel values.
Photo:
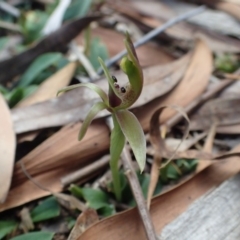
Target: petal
(96, 108)
(113, 93)
(116, 146)
(133, 70)
(92, 86)
(134, 134)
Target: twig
(83, 60)
(154, 33)
(9, 9)
(81, 173)
(137, 192)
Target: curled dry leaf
(160, 79)
(50, 86)
(160, 147)
(7, 149)
(219, 111)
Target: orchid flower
(117, 102)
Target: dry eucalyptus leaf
(86, 219)
(219, 111)
(197, 74)
(7, 149)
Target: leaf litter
(175, 73)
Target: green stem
(117, 144)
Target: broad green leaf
(7, 227)
(134, 134)
(95, 198)
(35, 236)
(77, 9)
(47, 209)
(96, 108)
(91, 86)
(39, 64)
(117, 142)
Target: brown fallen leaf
(56, 41)
(230, 8)
(221, 111)
(85, 220)
(7, 149)
(166, 207)
(57, 156)
(50, 86)
(192, 85)
(74, 105)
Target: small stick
(137, 192)
(81, 173)
(154, 33)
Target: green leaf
(96, 108)
(173, 172)
(35, 235)
(39, 64)
(95, 198)
(15, 96)
(91, 86)
(97, 49)
(3, 42)
(32, 23)
(47, 209)
(117, 142)
(77, 9)
(76, 191)
(134, 134)
(107, 210)
(130, 65)
(7, 227)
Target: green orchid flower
(117, 102)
